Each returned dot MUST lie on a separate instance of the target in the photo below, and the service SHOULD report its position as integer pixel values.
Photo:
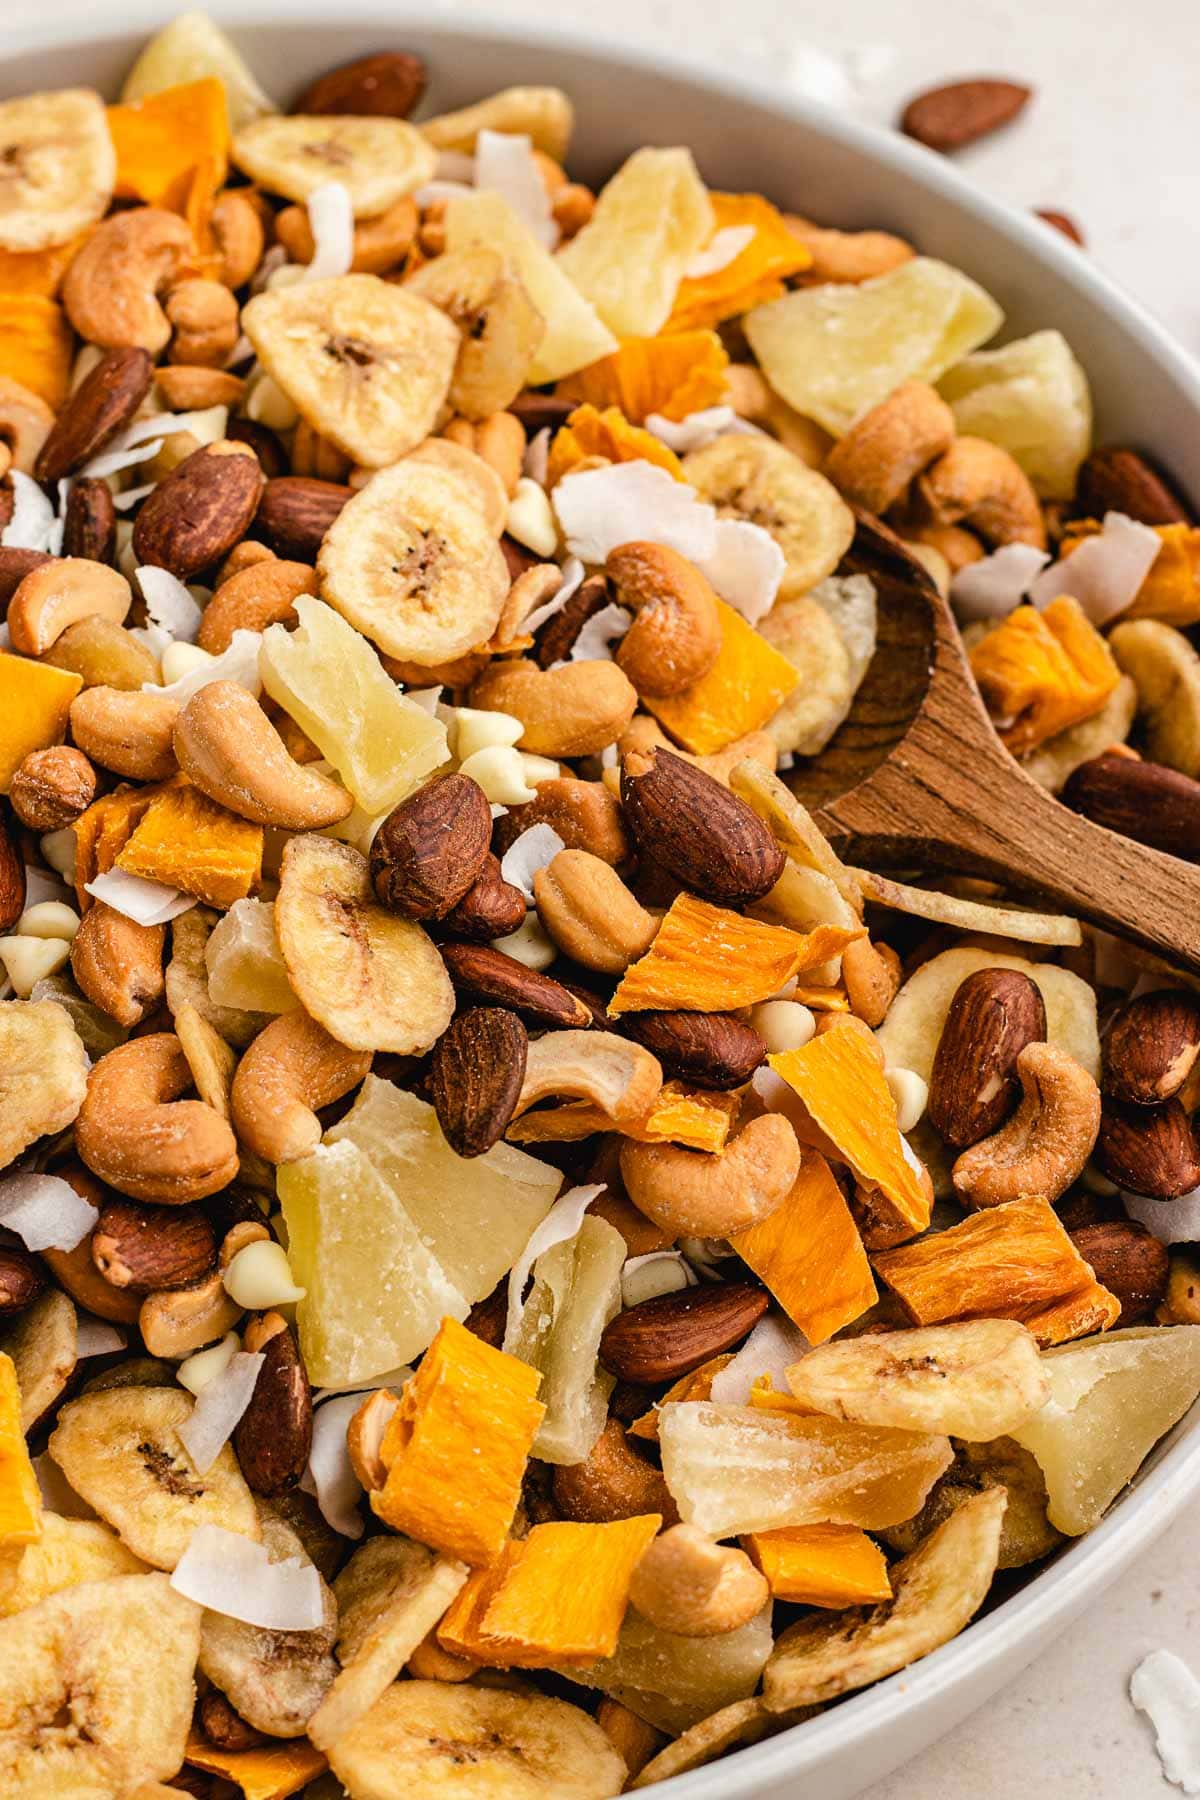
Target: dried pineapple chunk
(186, 841)
(189, 48)
(673, 1682)
(820, 1565)
(1032, 398)
(809, 1253)
(244, 962)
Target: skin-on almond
(973, 1086)
(476, 1076)
(12, 876)
(708, 1050)
(431, 848)
(490, 908)
(201, 510)
(388, 85)
(296, 511)
(21, 1279)
(1148, 1150)
(661, 1339)
(1115, 479)
(949, 117)
(1151, 1045)
(488, 975)
(151, 1248)
(90, 521)
(274, 1434)
(1130, 1262)
(105, 400)
(1146, 801)
(697, 830)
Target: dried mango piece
(442, 1488)
(839, 1077)
(35, 699)
(752, 277)
(36, 344)
(821, 999)
(1171, 591)
(38, 272)
(697, 1120)
(187, 841)
(173, 150)
(706, 959)
(556, 1596)
(696, 1386)
(270, 1773)
(1011, 1262)
(745, 687)
(821, 1565)
(591, 433)
(673, 376)
(20, 1496)
(1040, 672)
(809, 1253)
(104, 829)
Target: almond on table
(545, 1215)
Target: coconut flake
(96, 1337)
(694, 431)
(535, 847)
(330, 1476)
(114, 462)
(536, 461)
(454, 165)
(433, 191)
(598, 634)
(45, 1211)
(773, 1345)
(33, 522)
(133, 497)
(1104, 572)
(219, 1407)
(231, 1574)
(722, 248)
(990, 588)
(169, 605)
(58, 1496)
(331, 221)
(745, 568)
(601, 508)
(504, 165)
(1170, 1221)
(238, 663)
(560, 1223)
(426, 698)
(157, 426)
(145, 902)
(572, 581)
(1164, 1688)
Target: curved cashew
(130, 733)
(958, 548)
(980, 485)
(179, 1320)
(886, 449)
(1043, 1148)
(499, 439)
(111, 288)
(253, 598)
(675, 637)
(135, 1133)
(575, 710)
(687, 1584)
(365, 1434)
(25, 424)
(292, 1068)
(379, 243)
(620, 1078)
(847, 256)
(691, 1193)
(614, 1481)
(590, 913)
(204, 316)
(119, 963)
(227, 745)
(238, 231)
(60, 593)
(871, 973)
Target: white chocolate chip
(195, 1372)
(48, 919)
(500, 772)
(538, 768)
(58, 848)
(783, 1024)
(910, 1091)
(660, 1272)
(260, 1277)
(267, 404)
(31, 959)
(476, 730)
(528, 944)
(531, 519)
(180, 659)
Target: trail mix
(520, 1268)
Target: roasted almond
(12, 874)
(584, 814)
(1063, 222)
(105, 401)
(1145, 801)
(708, 1050)
(296, 511)
(1115, 479)
(90, 523)
(431, 848)
(274, 1435)
(661, 1339)
(1148, 1150)
(554, 640)
(477, 1070)
(698, 830)
(150, 1248)
(1151, 1045)
(488, 975)
(21, 1278)
(201, 510)
(490, 908)
(1129, 1261)
(973, 1086)
(961, 112)
(387, 85)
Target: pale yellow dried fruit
(58, 167)
(377, 160)
(43, 1073)
(812, 712)
(69, 1552)
(757, 479)
(1032, 398)
(543, 114)
(502, 330)
(190, 48)
(43, 1344)
(1165, 670)
(673, 1682)
(187, 980)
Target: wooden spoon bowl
(917, 778)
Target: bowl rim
(1047, 1603)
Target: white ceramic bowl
(748, 137)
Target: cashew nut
(379, 243)
(645, 733)
(688, 1585)
(204, 316)
(129, 733)
(871, 973)
(692, 1193)
(585, 814)
(227, 745)
(135, 1132)
(620, 1078)
(590, 913)
(980, 485)
(119, 963)
(958, 548)
(847, 256)
(614, 1481)
(25, 424)
(237, 229)
(252, 598)
(292, 1068)
(499, 439)
(675, 637)
(365, 1434)
(886, 449)
(186, 387)
(1042, 1149)
(60, 593)
(112, 285)
(178, 1321)
(575, 710)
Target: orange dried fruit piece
(1011, 1262)
(589, 432)
(186, 841)
(556, 1596)
(102, 832)
(752, 277)
(1040, 672)
(1171, 590)
(37, 272)
(35, 700)
(696, 1386)
(707, 959)
(270, 1773)
(839, 1077)
(809, 1253)
(673, 376)
(442, 1488)
(697, 1120)
(20, 1496)
(173, 149)
(745, 687)
(36, 345)
(821, 1565)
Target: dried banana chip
(120, 1450)
(69, 1552)
(43, 1073)
(757, 479)
(745, 1722)
(59, 166)
(376, 160)
(211, 1060)
(544, 114)
(1017, 922)
(812, 712)
(1165, 669)
(1027, 1534)
(501, 328)
(936, 1591)
(43, 1344)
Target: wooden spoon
(917, 778)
